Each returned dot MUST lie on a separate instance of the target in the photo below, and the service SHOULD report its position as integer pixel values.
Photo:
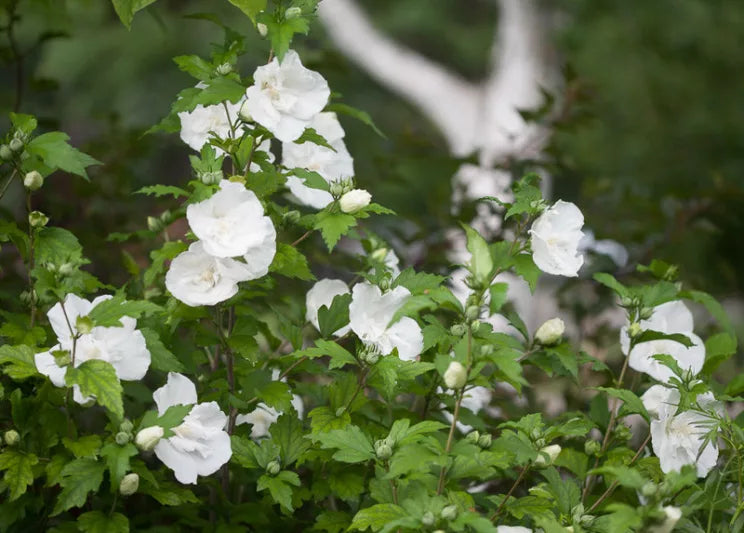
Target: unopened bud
(6, 154)
(292, 13)
(634, 330)
(148, 437)
(122, 438)
(155, 224)
(83, 325)
(550, 332)
(485, 441)
(456, 376)
(428, 519)
(16, 144)
(551, 452)
(449, 512)
(262, 29)
(273, 468)
(129, 484)
(592, 447)
(11, 437)
(33, 180)
(37, 219)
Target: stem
(508, 494)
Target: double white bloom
(555, 239)
(333, 166)
(678, 439)
(229, 224)
(285, 97)
(200, 445)
(123, 347)
(671, 317)
(370, 314)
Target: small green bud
(33, 180)
(273, 468)
(485, 441)
(129, 484)
(122, 438)
(126, 426)
(6, 154)
(649, 489)
(472, 312)
(292, 13)
(84, 325)
(428, 519)
(449, 512)
(155, 224)
(37, 219)
(473, 437)
(458, 330)
(11, 437)
(634, 330)
(16, 144)
(592, 447)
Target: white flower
(231, 222)
(678, 439)
(285, 97)
(122, 346)
(671, 317)
(354, 200)
(197, 278)
(671, 517)
(332, 165)
(197, 126)
(147, 438)
(199, 446)
(455, 376)
(550, 332)
(370, 314)
(323, 293)
(555, 239)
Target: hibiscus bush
(274, 367)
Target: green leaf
(87, 446)
(631, 403)
(117, 460)
(287, 433)
(108, 312)
(332, 226)
(99, 522)
(352, 444)
(127, 8)
(339, 355)
(18, 474)
(162, 190)
(336, 317)
(289, 262)
(56, 152)
(377, 516)
(481, 263)
(79, 477)
(98, 378)
(358, 114)
(17, 361)
(250, 7)
(162, 358)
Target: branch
(449, 101)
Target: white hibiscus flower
(231, 222)
(332, 165)
(555, 239)
(123, 346)
(370, 314)
(200, 445)
(678, 439)
(323, 293)
(671, 317)
(285, 97)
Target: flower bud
(458, 330)
(485, 441)
(33, 180)
(129, 484)
(273, 468)
(473, 437)
(37, 219)
(262, 29)
(592, 447)
(449, 512)
(155, 224)
(428, 519)
(552, 453)
(223, 69)
(11, 437)
(671, 517)
(148, 437)
(354, 200)
(634, 330)
(84, 325)
(472, 312)
(550, 332)
(16, 144)
(292, 13)
(456, 376)
(126, 426)
(6, 154)
(122, 438)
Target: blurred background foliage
(652, 148)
